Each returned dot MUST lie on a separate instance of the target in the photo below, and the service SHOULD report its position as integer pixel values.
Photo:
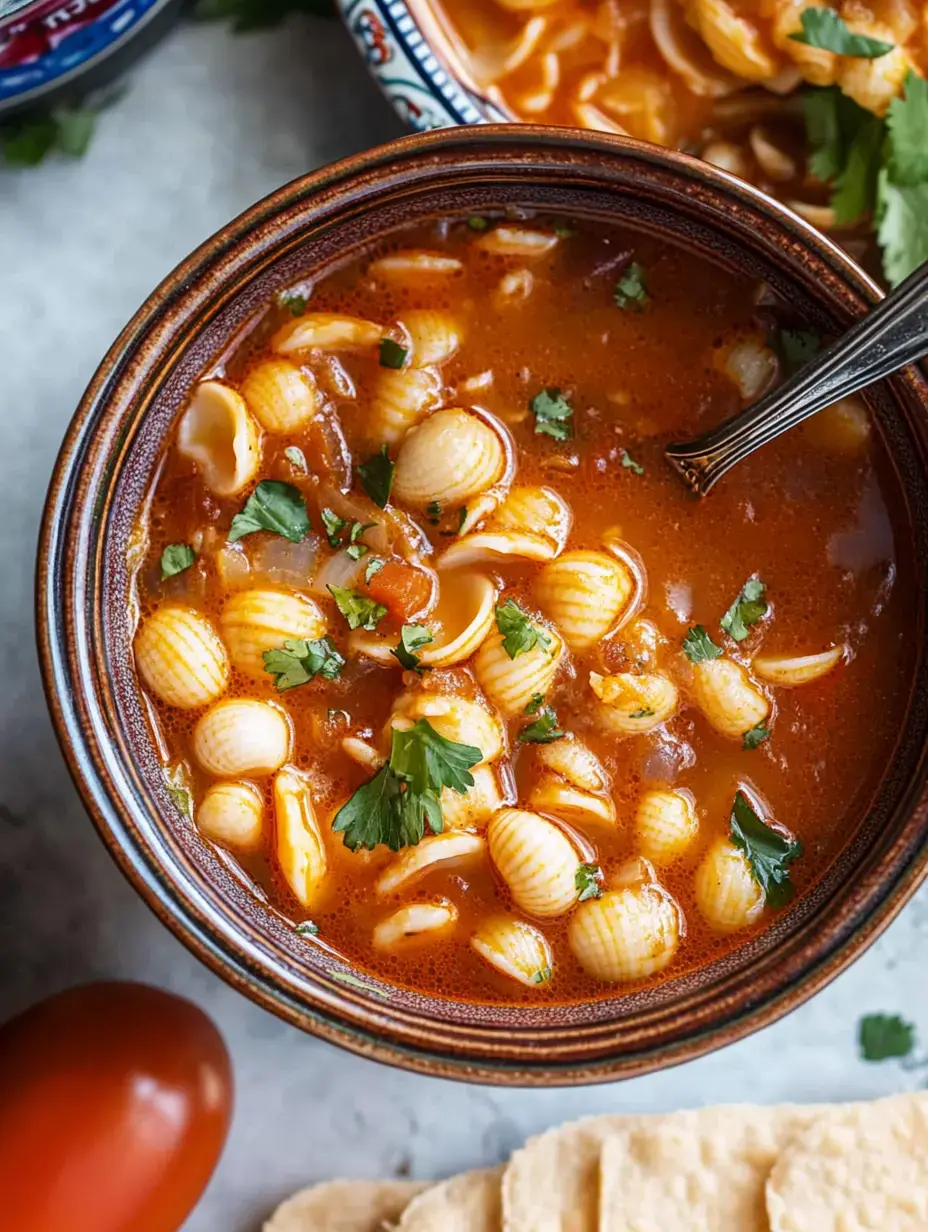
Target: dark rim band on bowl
(103, 474)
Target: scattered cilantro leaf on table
(885, 1036)
(248, 15)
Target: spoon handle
(893, 335)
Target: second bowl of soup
(440, 716)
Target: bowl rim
(345, 1018)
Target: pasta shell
(434, 851)
(451, 457)
(508, 240)
(232, 815)
(301, 850)
(415, 920)
(476, 806)
(536, 860)
(788, 671)
(552, 795)
(400, 399)
(461, 620)
(723, 691)
(573, 761)
(665, 824)
(627, 935)
(415, 265)
(514, 948)
(727, 895)
(435, 336)
(282, 397)
(510, 684)
(180, 658)
(531, 522)
(328, 331)
(585, 593)
(255, 621)
(217, 433)
(242, 736)
(454, 718)
(631, 705)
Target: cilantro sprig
(589, 882)
(361, 611)
(631, 290)
(754, 736)
(376, 475)
(882, 1037)
(274, 506)
(519, 634)
(698, 646)
(393, 807)
(828, 30)
(748, 608)
(544, 730)
(552, 413)
(299, 661)
(768, 852)
(175, 558)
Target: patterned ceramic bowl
(85, 608)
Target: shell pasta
(441, 658)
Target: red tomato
(114, 1107)
(402, 589)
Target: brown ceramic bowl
(85, 628)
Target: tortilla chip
(467, 1203)
(345, 1206)
(552, 1184)
(703, 1169)
(855, 1169)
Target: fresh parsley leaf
(306, 928)
(768, 852)
(902, 227)
(296, 457)
(248, 15)
(698, 646)
(826, 29)
(795, 348)
(334, 525)
(884, 1036)
(631, 290)
(76, 127)
(359, 610)
(630, 464)
(519, 634)
(552, 412)
(373, 566)
(748, 608)
(476, 223)
(175, 558)
(392, 355)
(299, 661)
(644, 713)
(855, 186)
(28, 142)
(273, 506)
(392, 808)
(832, 120)
(376, 477)
(412, 638)
(907, 124)
(542, 975)
(757, 735)
(535, 704)
(589, 881)
(543, 731)
(294, 303)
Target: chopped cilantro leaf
(175, 558)
(299, 661)
(826, 29)
(542, 975)
(359, 610)
(273, 506)
(373, 566)
(757, 735)
(769, 853)
(907, 123)
(796, 347)
(855, 185)
(357, 550)
(902, 226)
(748, 608)
(563, 230)
(393, 807)
(28, 141)
(630, 464)
(376, 477)
(519, 634)
(884, 1036)
(698, 646)
(334, 525)
(295, 304)
(644, 713)
(589, 881)
(248, 15)
(552, 413)
(296, 457)
(306, 928)
(392, 355)
(535, 704)
(544, 730)
(476, 223)
(631, 290)
(412, 638)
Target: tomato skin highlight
(115, 1102)
(405, 591)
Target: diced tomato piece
(403, 590)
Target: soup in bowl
(438, 714)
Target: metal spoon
(894, 334)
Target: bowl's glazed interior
(86, 622)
